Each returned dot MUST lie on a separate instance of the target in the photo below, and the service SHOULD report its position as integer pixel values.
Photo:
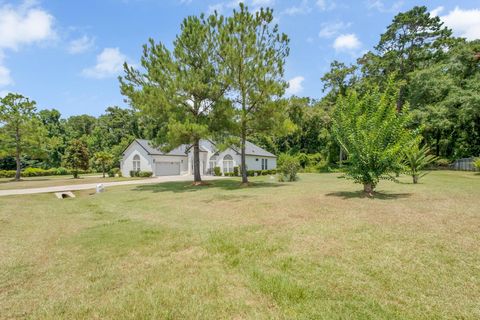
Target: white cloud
(109, 63)
(295, 85)
(346, 42)
(222, 6)
(24, 24)
(303, 8)
(380, 5)
(332, 29)
(464, 23)
(263, 3)
(435, 12)
(81, 45)
(324, 5)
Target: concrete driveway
(88, 186)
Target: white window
(136, 163)
(227, 164)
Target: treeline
(195, 91)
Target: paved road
(94, 185)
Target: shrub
(61, 171)
(265, 172)
(7, 173)
(111, 173)
(250, 173)
(133, 173)
(236, 171)
(144, 174)
(289, 166)
(217, 171)
(476, 163)
(442, 163)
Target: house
(140, 155)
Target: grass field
(53, 181)
(314, 249)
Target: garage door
(167, 168)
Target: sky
(67, 55)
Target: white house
(140, 155)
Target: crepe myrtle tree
(372, 133)
(76, 157)
(180, 92)
(252, 54)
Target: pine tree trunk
(243, 160)
(400, 99)
(197, 178)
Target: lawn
(314, 249)
(53, 181)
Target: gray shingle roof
(180, 151)
(250, 149)
(254, 150)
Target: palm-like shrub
(417, 159)
(372, 133)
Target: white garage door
(167, 168)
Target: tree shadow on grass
(361, 194)
(186, 186)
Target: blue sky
(67, 54)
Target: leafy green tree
(104, 160)
(80, 126)
(416, 159)
(181, 90)
(339, 78)
(372, 133)
(414, 39)
(76, 157)
(21, 133)
(288, 166)
(55, 128)
(252, 53)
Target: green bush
(217, 171)
(145, 174)
(111, 173)
(7, 173)
(250, 173)
(133, 173)
(288, 167)
(265, 172)
(236, 171)
(476, 163)
(442, 163)
(61, 171)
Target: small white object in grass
(100, 188)
(272, 177)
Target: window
(136, 163)
(227, 164)
(263, 164)
(266, 164)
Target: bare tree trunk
(197, 178)
(341, 157)
(368, 189)
(17, 155)
(103, 170)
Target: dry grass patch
(314, 249)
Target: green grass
(52, 181)
(314, 249)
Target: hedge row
(143, 174)
(38, 172)
(252, 173)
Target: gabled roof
(151, 150)
(254, 150)
(250, 149)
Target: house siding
(146, 161)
